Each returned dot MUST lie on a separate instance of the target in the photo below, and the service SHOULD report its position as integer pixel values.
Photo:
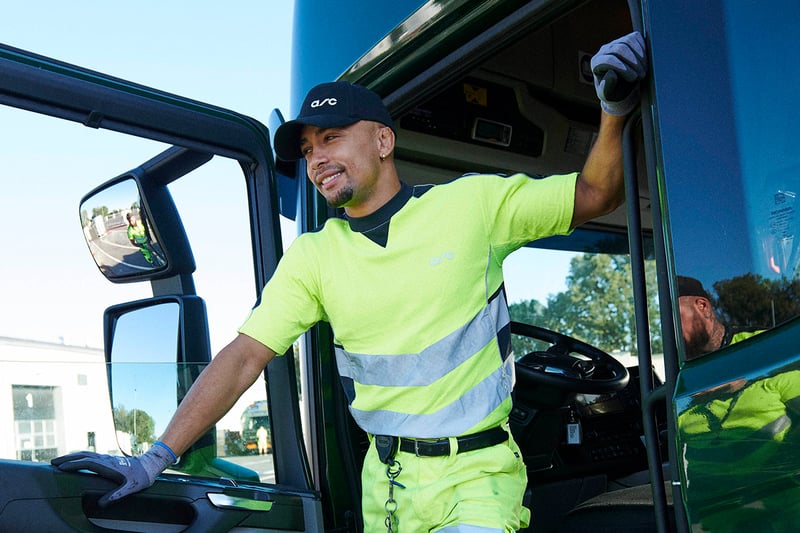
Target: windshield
(588, 296)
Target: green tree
(600, 298)
(100, 210)
(137, 423)
(754, 301)
(121, 418)
(597, 306)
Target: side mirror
(131, 223)
(120, 233)
(143, 374)
(152, 361)
(155, 350)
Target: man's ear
(386, 140)
(703, 304)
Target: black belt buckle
(387, 448)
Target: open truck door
(155, 346)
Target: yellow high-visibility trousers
(479, 491)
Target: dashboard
(592, 434)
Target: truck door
(725, 124)
(157, 339)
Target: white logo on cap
(325, 101)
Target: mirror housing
(152, 360)
(131, 224)
(120, 233)
(285, 173)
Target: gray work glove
(133, 473)
(617, 69)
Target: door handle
(242, 499)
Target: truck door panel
(64, 405)
(724, 114)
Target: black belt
(441, 447)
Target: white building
(53, 400)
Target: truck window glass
(741, 245)
(50, 328)
(51, 335)
(583, 295)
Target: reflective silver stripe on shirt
(774, 428)
(426, 367)
(454, 419)
(435, 361)
(463, 528)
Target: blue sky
(237, 57)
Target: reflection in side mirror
(144, 374)
(119, 233)
(151, 367)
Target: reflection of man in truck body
(137, 234)
(739, 430)
(740, 446)
(703, 331)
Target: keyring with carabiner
(393, 469)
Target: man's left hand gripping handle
(132, 473)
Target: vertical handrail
(650, 397)
(643, 346)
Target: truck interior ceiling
(528, 107)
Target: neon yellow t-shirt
(414, 295)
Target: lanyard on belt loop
(386, 446)
(393, 470)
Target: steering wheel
(555, 367)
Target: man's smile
(328, 179)
(326, 175)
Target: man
(262, 435)
(137, 234)
(411, 282)
(702, 331)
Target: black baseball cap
(691, 287)
(330, 105)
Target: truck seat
(629, 509)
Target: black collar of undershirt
(375, 226)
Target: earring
(383, 157)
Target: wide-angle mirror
(120, 234)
